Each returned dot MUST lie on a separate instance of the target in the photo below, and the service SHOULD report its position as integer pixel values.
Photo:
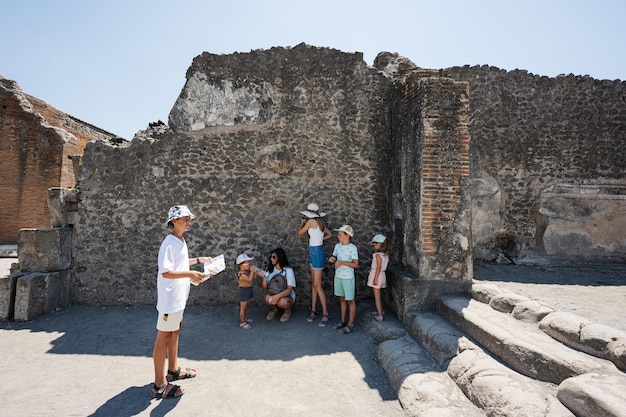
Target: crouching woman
(279, 285)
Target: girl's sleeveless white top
(316, 236)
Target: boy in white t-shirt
(172, 293)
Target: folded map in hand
(212, 268)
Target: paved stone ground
(594, 291)
(87, 361)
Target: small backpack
(277, 284)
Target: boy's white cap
(177, 212)
(346, 228)
(378, 239)
(243, 258)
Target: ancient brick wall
(531, 133)
(254, 137)
(35, 142)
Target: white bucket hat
(177, 212)
(378, 239)
(312, 211)
(243, 258)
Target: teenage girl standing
(312, 222)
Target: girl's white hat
(243, 258)
(312, 211)
(378, 239)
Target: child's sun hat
(378, 239)
(177, 212)
(243, 258)
(346, 228)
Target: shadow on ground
(563, 274)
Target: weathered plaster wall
(531, 134)
(585, 221)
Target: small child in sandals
(377, 278)
(245, 276)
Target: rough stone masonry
(254, 137)
(251, 140)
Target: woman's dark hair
(282, 259)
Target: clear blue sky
(120, 64)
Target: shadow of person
(133, 401)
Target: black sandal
(339, 325)
(175, 375)
(159, 392)
(312, 316)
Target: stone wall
(36, 141)
(253, 138)
(531, 134)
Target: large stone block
(7, 296)
(408, 292)
(582, 334)
(39, 293)
(45, 250)
(594, 395)
(63, 206)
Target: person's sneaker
(286, 316)
(271, 315)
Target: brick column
(433, 144)
(445, 212)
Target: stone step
(491, 386)
(594, 395)
(439, 370)
(570, 329)
(500, 391)
(520, 345)
(424, 388)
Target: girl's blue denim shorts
(317, 257)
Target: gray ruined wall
(254, 137)
(548, 171)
